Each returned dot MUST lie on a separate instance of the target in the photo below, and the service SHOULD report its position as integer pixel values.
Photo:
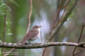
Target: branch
(40, 45)
(67, 3)
(29, 16)
(81, 33)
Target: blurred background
(13, 24)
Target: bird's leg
(28, 42)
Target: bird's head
(36, 27)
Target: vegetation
(61, 21)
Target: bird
(33, 34)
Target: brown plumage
(32, 34)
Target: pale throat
(39, 32)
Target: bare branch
(40, 45)
(67, 3)
(29, 16)
(81, 33)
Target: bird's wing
(30, 35)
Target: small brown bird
(33, 34)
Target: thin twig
(59, 8)
(81, 33)
(29, 17)
(67, 2)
